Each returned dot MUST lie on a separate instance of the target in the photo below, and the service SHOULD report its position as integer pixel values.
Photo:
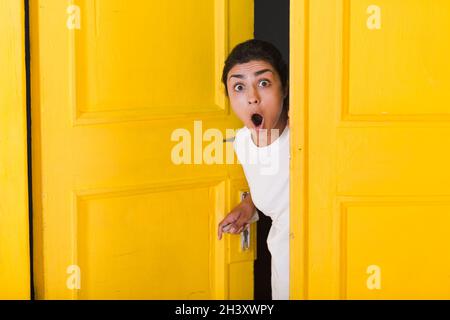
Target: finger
(226, 228)
(224, 225)
(219, 232)
(225, 221)
(230, 218)
(237, 229)
(223, 229)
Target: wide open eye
(238, 87)
(264, 83)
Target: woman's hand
(237, 219)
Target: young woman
(256, 83)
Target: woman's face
(256, 95)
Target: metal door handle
(245, 239)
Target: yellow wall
(14, 245)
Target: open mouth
(257, 120)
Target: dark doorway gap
(271, 24)
(29, 157)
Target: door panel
(112, 81)
(14, 237)
(375, 108)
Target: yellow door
(14, 239)
(371, 81)
(113, 84)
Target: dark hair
(258, 50)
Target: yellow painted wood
(298, 96)
(111, 81)
(14, 239)
(375, 76)
(240, 267)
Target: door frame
(15, 272)
(298, 90)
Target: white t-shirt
(267, 172)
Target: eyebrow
(257, 73)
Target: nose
(253, 97)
